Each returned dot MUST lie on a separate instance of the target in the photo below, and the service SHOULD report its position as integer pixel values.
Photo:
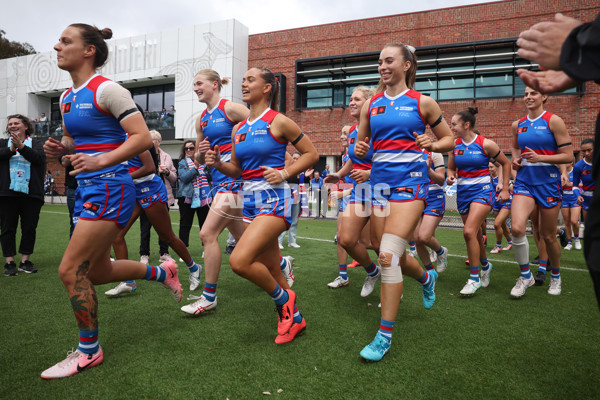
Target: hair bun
(106, 33)
(473, 110)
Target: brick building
(466, 34)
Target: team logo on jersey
(586, 172)
(378, 110)
(203, 124)
(239, 137)
(66, 108)
(522, 129)
(91, 207)
(351, 141)
(459, 152)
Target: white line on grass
(331, 241)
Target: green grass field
(489, 346)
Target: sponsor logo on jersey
(459, 152)
(219, 120)
(239, 137)
(586, 172)
(378, 110)
(351, 141)
(91, 206)
(145, 189)
(84, 106)
(259, 132)
(416, 174)
(403, 189)
(522, 129)
(203, 124)
(552, 199)
(405, 108)
(66, 108)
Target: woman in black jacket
(22, 169)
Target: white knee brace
(394, 245)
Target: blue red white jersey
(358, 163)
(536, 135)
(471, 162)
(397, 160)
(255, 146)
(433, 187)
(582, 173)
(217, 128)
(136, 163)
(347, 180)
(95, 131)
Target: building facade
(466, 57)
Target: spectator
(168, 122)
(162, 116)
(70, 187)
(316, 185)
(194, 195)
(569, 50)
(293, 181)
(44, 123)
(22, 166)
(325, 171)
(48, 183)
(168, 173)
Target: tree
(10, 49)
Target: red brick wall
(279, 51)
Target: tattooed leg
(84, 300)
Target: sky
(40, 22)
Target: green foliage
(489, 346)
(9, 49)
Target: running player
(540, 141)
(394, 122)
(213, 128)
(571, 210)
(432, 216)
(468, 166)
(355, 215)
(501, 210)
(258, 155)
(96, 114)
(582, 174)
(151, 199)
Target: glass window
(141, 99)
(462, 71)
(155, 100)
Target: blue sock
(192, 266)
(484, 264)
(343, 271)
(297, 315)
(155, 273)
(543, 266)
(498, 243)
(429, 267)
(440, 251)
(280, 296)
(525, 272)
(88, 341)
(386, 328)
(372, 270)
(569, 241)
(555, 272)
(509, 240)
(474, 273)
(425, 279)
(576, 237)
(412, 245)
(210, 291)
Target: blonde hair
(156, 135)
(213, 76)
(367, 91)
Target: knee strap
(394, 245)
